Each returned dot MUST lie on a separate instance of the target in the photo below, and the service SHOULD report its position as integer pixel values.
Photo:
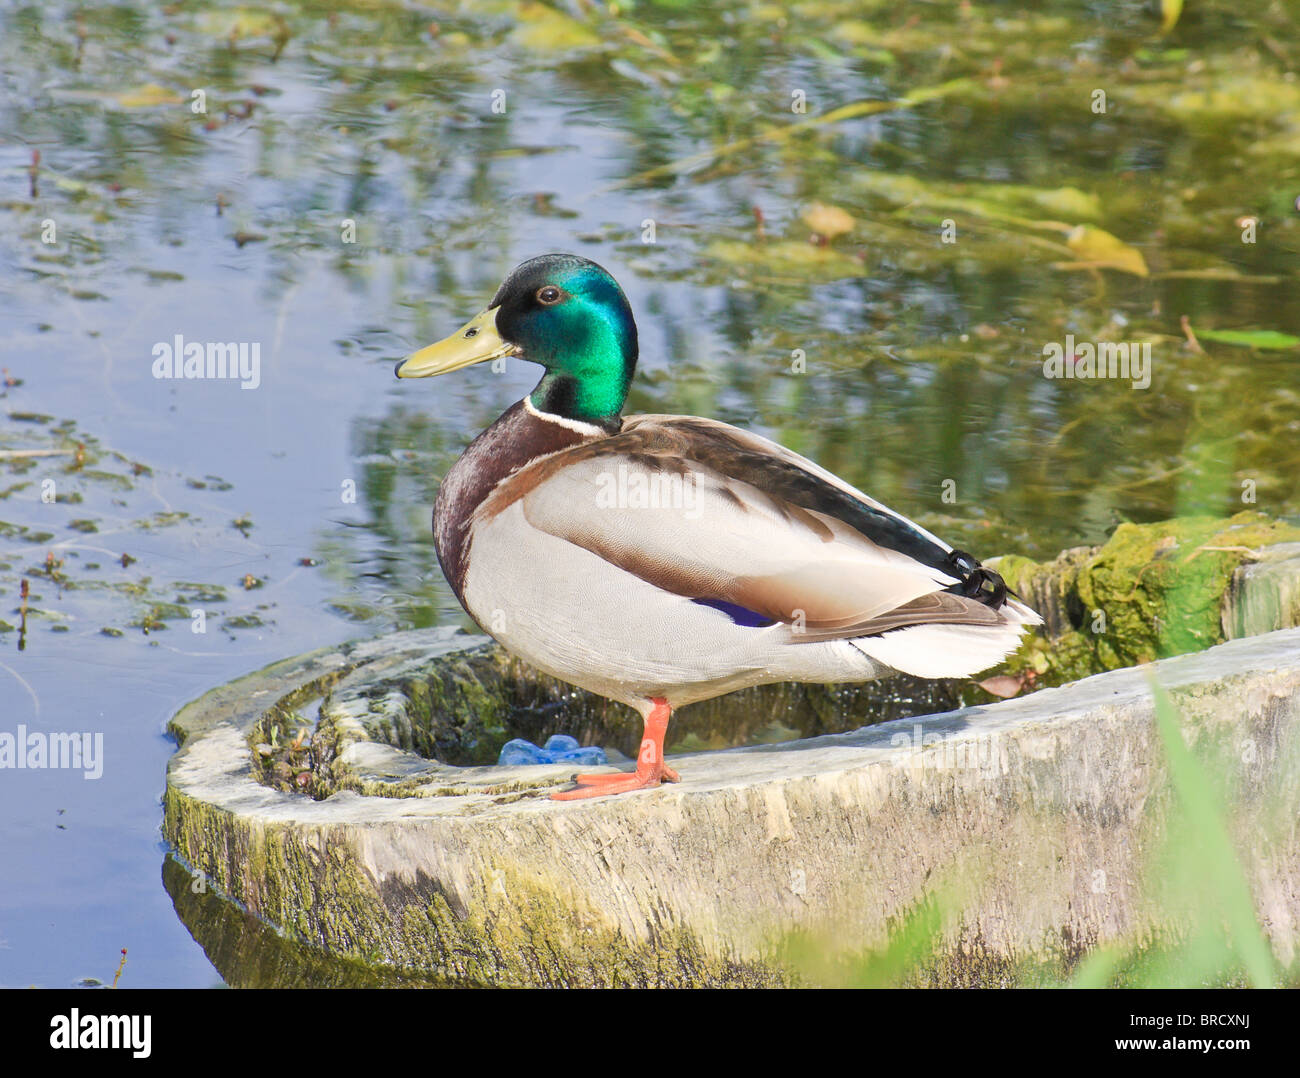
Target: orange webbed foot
(622, 783)
(650, 767)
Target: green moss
(242, 621)
(1017, 570)
(1153, 590)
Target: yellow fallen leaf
(1099, 248)
(242, 24)
(543, 28)
(147, 96)
(828, 221)
(786, 258)
(1169, 12)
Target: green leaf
(1250, 338)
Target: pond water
(855, 227)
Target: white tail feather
(951, 650)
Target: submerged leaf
(242, 24)
(1170, 10)
(1067, 203)
(803, 260)
(828, 221)
(547, 30)
(147, 96)
(1099, 248)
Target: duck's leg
(650, 767)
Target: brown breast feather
(515, 441)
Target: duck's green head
(562, 311)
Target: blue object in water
(559, 749)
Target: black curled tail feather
(976, 582)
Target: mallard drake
(658, 560)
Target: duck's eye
(549, 295)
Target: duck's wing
(723, 517)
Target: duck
(659, 560)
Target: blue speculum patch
(739, 614)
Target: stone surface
(1265, 593)
(1026, 804)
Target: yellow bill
(477, 341)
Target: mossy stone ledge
(384, 838)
